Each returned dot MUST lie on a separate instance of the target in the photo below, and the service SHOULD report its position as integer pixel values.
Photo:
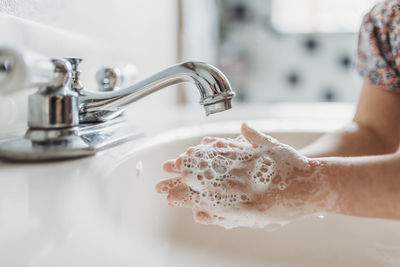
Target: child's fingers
(182, 196)
(170, 166)
(202, 216)
(208, 139)
(166, 185)
(190, 150)
(256, 137)
(234, 186)
(178, 163)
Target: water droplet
(139, 168)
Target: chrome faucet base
(69, 143)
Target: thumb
(256, 137)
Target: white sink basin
(104, 211)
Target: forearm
(365, 186)
(352, 140)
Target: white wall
(142, 32)
(142, 29)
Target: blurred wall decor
(279, 50)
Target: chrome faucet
(214, 88)
(66, 120)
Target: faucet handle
(22, 69)
(112, 78)
(76, 73)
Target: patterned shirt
(378, 58)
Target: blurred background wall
(285, 66)
(279, 50)
(143, 30)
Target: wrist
(326, 199)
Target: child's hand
(252, 180)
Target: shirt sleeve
(378, 56)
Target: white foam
(228, 175)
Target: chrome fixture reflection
(66, 120)
(112, 78)
(214, 88)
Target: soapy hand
(252, 181)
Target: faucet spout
(214, 88)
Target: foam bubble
(282, 186)
(220, 164)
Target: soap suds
(236, 183)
